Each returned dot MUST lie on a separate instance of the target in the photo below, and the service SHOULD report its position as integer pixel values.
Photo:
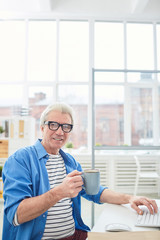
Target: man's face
(54, 140)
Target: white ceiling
(125, 9)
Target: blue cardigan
(24, 176)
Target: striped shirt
(60, 222)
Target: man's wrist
(57, 193)
(128, 198)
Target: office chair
(146, 175)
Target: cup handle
(82, 176)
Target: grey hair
(58, 106)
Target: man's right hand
(71, 185)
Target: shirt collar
(41, 152)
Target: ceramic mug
(91, 181)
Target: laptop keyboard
(148, 219)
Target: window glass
(159, 111)
(109, 77)
(41, 50)
(141, 116)
(109, 45)
(77, 97)
(158, 46)
(30, 58)
(109, 123)
(39, 99)
(140, 51)
(74, 51)
(10, 101)
(140, 77)
(12, 50)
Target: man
(43, 186)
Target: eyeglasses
(55, 125)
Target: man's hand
(33, 207)
(72, 184)
(109, 196)
(136, 201)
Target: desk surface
(119, 214)
(140, 235)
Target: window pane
(140, 77)
(159, 111)
(10, 101)
(73, 51)
(42, 51)
(158, 46)
(12, 50)
(109, 77)
(77, 97)
(109, 102)
(109, 45)
(141, 116)
(140, 52)
(39, 99)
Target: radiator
(118, 172)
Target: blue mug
(91, 181)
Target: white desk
(119, 214)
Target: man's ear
(42, 128)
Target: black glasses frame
(59, 125)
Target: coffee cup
(91, 181)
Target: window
(42, 51)
(140, 52)
(158, 47)
(48, 60)
(10, 102)
(109, 101)
(109, 45)
(74, 51)
(110, 77)
(141, 116)
(140, 77)
(12, 50)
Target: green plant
(1, 129)
(69, 145)
(98, 145)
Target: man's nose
(59, 130)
